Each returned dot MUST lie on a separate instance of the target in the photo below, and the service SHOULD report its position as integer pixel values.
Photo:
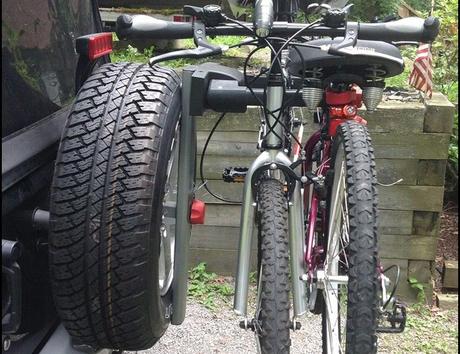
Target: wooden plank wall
(411, 142)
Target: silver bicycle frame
(296, 225)
(187, 154)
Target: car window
(38, 57)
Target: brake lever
(204, 48)
(200, 52)
(349, 40)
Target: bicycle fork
(295, 209)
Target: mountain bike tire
(352, 153)
(273, 323)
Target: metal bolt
(304, 277)
(304, 179)
(295, 326)
(273, 166)
(163, 231)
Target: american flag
(421, 76)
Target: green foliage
(11, 39)
(402, 80)
(445, 48)
(207, 287)
(428, 330)
(423, 6)
(420, 288)
(366, 10)
(445, 58)
(132, 54)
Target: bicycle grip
(406, 29)
(143, 26)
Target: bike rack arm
(185, 183)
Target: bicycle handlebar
(407, 29)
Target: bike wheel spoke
(336, 262)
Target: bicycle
(315, 203)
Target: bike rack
(185, 184)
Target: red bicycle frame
(340, 107)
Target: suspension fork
(296, 238)
(274, 144)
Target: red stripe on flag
(422, 72)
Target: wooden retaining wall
(411, 142)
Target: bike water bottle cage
(210, 15)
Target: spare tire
(112, 219)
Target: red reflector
(178, 18)
(197, 212)
(99, 44)
(181, 18)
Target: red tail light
(94, 45)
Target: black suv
(40, 72)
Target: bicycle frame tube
(311, 258)
(185, 183)
(296, 244)
(274, 101)
(246, 230)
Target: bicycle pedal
(234, 174)
(397, 319)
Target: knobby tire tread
(274, 259)
(361, 184)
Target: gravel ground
(205, 331)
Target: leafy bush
(445, 57)
(423, 6)
(207, 287)
(366, 10)
(420, 288)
